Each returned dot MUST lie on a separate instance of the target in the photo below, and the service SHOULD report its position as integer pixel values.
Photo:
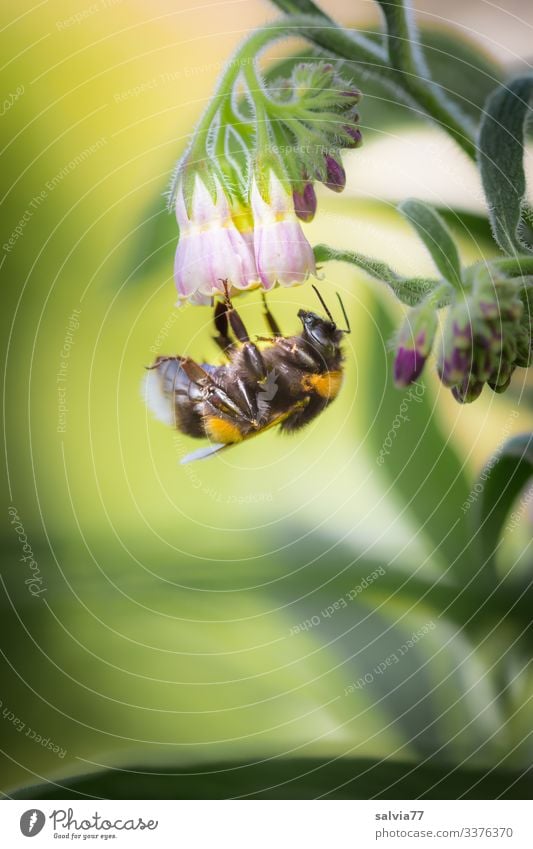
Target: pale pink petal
(283, 254)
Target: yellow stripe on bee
(326, 385)
(220, 430)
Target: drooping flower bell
(238, 206)
(282, 253)
(210, 247)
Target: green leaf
(436, 237)
(409, 290)
(289, 778)
(463, 70)
(501, 154)
(405, 56)
(499, 484)
(470, 226)
(417, 456)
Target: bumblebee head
(323, 333)
(320, 332)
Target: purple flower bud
(355, 134)
(352, 93)
(335, 174)
(524, 348)
(468, 390)
(408, 365)
(489, 309)
(501, 376)
(501, 385)
(305, 203)
(415, 341)
(462, 334)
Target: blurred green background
(163, 636)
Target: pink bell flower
(282, 253)
(210, 248)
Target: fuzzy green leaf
(501, 154)
(436, 237)
(501, 481)
(417, 456)
(408, 290)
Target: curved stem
(518, 266)
(409, 290)
(401, 68)
(302, 25)
(259, 99)
(406, 58)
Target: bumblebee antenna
(322, 301)
(348, 328)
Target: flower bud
(305, 202)
(468, 390)
(414, 343)
(335, 175)
(487, 335)
(354, 134)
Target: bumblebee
(275, 381)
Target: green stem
(409, 290)
(401, 69)
(518, 266)
(310, 27)
(260, 101)
(407, 59)
(344, 43)
(298, 25)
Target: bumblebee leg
(159, 361)
(253, 360)
(271, 321)
(194, 372)
(213, 394)
(220, 319)
(236, 322)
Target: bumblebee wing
(203, 453)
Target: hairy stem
(401, 68)
(406, 58)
